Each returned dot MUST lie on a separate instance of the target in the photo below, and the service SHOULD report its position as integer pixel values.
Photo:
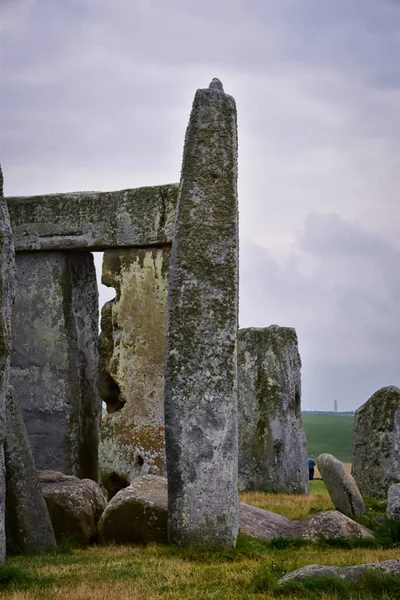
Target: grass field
(154, 572)
(329, 433)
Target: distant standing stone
(272, 442)
(376, 443)
(201, 363)
(393, 505)
(28, 524)
(7, 273)
(341, 486)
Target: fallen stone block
(75, 506)
(265, 525)
(341, 486)
(350, 574)
(137, 513)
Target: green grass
(329, 433)
(250, 571)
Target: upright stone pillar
(6, 298)
(132, 365)
(201, 363)
(272, 442)
(55, 359)
(28, 524)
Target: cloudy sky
(96, 95)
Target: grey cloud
(340, 288)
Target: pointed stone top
(216, 84)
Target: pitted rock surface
(75, 506)
(28, 525)
(137, 513)
(94, 220)
(132, 365)
(201, 358)
(376, 443)
(341, 486)
(272, 442)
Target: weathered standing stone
(376, 443)
(55, 359)
(341, 486)
(272, 442)
(75, 506)
(393, 505)
(94, 220)
(201, 363)
(132, 365)
(6, 297)
(28, 524)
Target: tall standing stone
(272, 442)
(6, 298)
(54, 361)
(201, 363)
(132, 365)
(28, 524)
(376, 443)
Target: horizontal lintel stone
(94, 220)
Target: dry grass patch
(291, 506)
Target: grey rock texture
(376, 443)
(28, 524)
(55, 359)
(7, 271)
(94, 220)
(201, 362)
(75, 506)
(350, 574)
(272, 442)
(132, 365)
(341, 486)
(265, 525)
(137, 513)
(393, 505)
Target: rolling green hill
(329, 433)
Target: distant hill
(329, 432)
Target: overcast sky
(96, 95)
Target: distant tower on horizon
(335, 406)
